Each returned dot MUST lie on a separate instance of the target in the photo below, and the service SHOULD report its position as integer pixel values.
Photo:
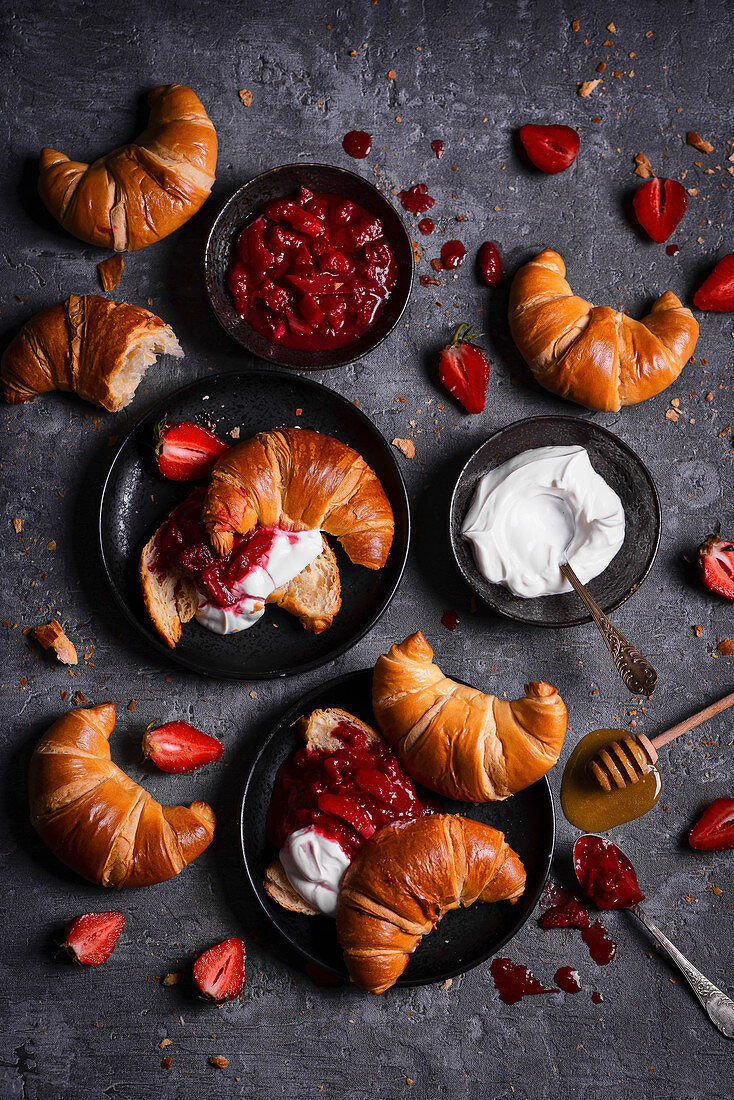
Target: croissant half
(455, 739)
(402, 883)
(301, 480)
(99, 822)
(595, 355)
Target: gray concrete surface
(73, 77)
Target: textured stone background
(470, 73)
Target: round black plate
(136, 499)
(465, 937)
(618, 465)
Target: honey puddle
(590, 808)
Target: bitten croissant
(590, 354)
(456, 740)
(141, 192)
(402, 883)
(301, 480)
(99, 822)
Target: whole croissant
(141, 192)
(455, 739)
(592, 354)
(90, 346)
(301, 480)
(96, 820)
(402, 883)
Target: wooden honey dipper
(627, 761)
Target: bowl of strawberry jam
(308, 266)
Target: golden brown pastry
(300, 480)
(90, 346)
(402, 882)
(592, 354)
(141, 192)
(455, 739)
(96, 820)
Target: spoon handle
(637, 673)
(718, 1007)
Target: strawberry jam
(416, 200)
(312, 271)
(513, 981)
(452, 254)
(346, 795)
(357, 144)
(605, 874)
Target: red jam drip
(601, 946)
(513, 982)
(437, 146)
(567, 979)
(672, 249)
(416, 200)
(450, 620)
(357, 144)
(452, 254)
(554, 895)
(312, 271)
(345, 795)
(605, 874)
(597, 997)
(426, 226)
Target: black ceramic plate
(465, 937)
(136, 499)
(276, 184)
(618, 465)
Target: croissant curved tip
(50, 157)
(222, 541)
(538, 689)
(204, 811)
(416, 647)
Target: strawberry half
(177, 747)
(489, 264)
(219, 974)
(552, 149)
(716, 564)
(717, 292)
(91, 938)
(464, 370)
(714, 830)
(186, 451)
(659, 205)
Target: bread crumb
(716, 889)
(405, 446)
(697, 142)
(246, 96)
(698, 630)
(391, 74)
(692, 191)
(173, 978)
(586, 87)
(447, 984)
(644, 168)
(131, 705)
(110, 271)
(166, 1062)
(218, 1061)
(671, 414)
(611, 28)
(726, 647)
(18, 524)
(575, 25)
(164, 1043)
(51, 636)
(235, 433)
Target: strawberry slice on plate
(659, 205)
(219, 974)
(714, 830)
(91, 938)
(464, 370)
(716, 564)
(177, 747)
(717, 292)
(187, 451)
(552, 149)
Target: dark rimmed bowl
(276, 184)
(621, 469)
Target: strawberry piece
(552, 149)
(714, 829)
(717, 292)
(489, 264)
(464, 370)
(659, 205)
(219, 974)
(716, 564)
(569, 915)
(177, 747)
(186, 451)
(91, 938)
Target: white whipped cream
(538, 509)
(290, 553)
(314, 866)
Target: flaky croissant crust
(595, 355)
(96, 819)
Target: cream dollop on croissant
(457, 740)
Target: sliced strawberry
(464, 370)
(659, 205)
(552, 149)
(177, 747)
(489, 264)
(716, 564)
(219, 974)
(186, 451)
(91, 938)
(714, 829)
(571, 914)
(717, 292)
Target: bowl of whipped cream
(550, 489)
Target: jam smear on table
(597, 997)
(426, 226)
(416, 199)
(672, 249)
(452, 254)
(450, 620)
(567, 979)
(346, 795)
(602, 947)
(513, 982)
(311, 271)
(437, 146)
(357, 144)
(605, 874)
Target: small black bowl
(276, 184)
(621, 469)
